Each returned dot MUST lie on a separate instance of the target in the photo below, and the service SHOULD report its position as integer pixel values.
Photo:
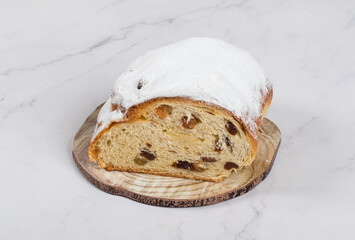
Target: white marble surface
(59, 59)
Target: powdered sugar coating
(204, 69)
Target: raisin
(147, 154)
(160, 113)
(114, 106)
(149, 145)
(188, 124)
(230, 165)
(231, 128)
(208, 159)
(122, 108)
(140, 84)
(228, 142)
(184, 165)
(140, 160)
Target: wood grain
(176, 192)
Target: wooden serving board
(176, 192)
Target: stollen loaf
(191, 109)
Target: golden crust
(137, 110)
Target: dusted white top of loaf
(204, 69)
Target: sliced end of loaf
(175, 137)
